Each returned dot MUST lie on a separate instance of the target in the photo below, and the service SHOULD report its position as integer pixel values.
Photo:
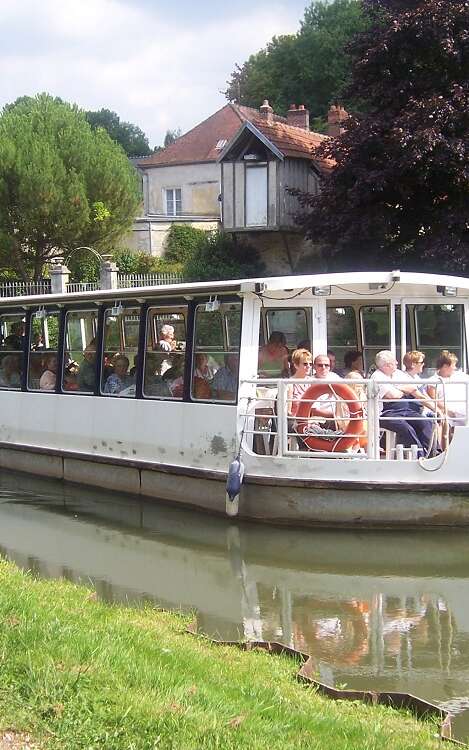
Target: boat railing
(357, 428)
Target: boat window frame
(264, 331)
(84, 307)
(126, 304)
(58, 310)
(150, 306)
(24, 313)
(227, 300)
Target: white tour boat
(159, 391)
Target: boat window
(120, 347)
(43, 354)
(165, 353)
(439, 327)
(291, 322)
(79, 371)
(341, 332)
(11, 350)
(217, 337)
(376, 333)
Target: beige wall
(149, 235)
(200, 185)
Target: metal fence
(148, 279)
(24, 288)
(82, 286)
(124, 281)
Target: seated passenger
(449, 389)
(397, 414)
(327, 406)
(120, 379)
(302, 364)
(202, 367)
(225, 381)
(154, 385)
(10, 371)
(167, 342)
(48, 378)
(174, 375)
(87, 371)
(273, 357)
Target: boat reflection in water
(379, 610)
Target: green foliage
(311, 67)
(132, 262)
(182, 242)
(62, 185)
(398, 194)
(219, 256)
(171, 136)
(132, 139)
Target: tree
(399, 193)
(171, 137)
(132, 139)
(311, 67)
(62, 185)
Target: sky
(160, 64)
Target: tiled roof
(199, 144)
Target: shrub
(182, 242)
(219, 256)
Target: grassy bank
(77, 673)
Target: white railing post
(59, 277)
(282, 428)
(108, 273)
(373, 422)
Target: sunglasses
(321, 365)
(306, 364)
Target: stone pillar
(108, 273)
(59, 277)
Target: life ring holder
(354, 428)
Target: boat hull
(326, 503)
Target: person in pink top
(302, 363)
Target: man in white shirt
(326, 405)
(397, 413)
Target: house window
(256, 195)
(173, 201)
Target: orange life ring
(355, 426)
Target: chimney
(335, 119)
(299, 118)
(267, 113)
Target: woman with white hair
(167, 342)
(401, 404)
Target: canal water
(377, 610)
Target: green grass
(78, 673)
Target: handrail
(271, 417)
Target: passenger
(13, 342)
(353, 362)
(273, 357)
(332, 360)
(87, 371)
(398, 415)
(225, 381)
(302, 363)
(174, 375)
(326, 406)
(353, 370)
(449, 389)
(71, 377)
(10, 372)
(203, 377)
(202, 368)
(414, 362)
(48, 378)
(167, 341)
(154, 385)
(38, 342)
(120, 379)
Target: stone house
(231, 171)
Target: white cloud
(151, 69)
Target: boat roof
(383, 284)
